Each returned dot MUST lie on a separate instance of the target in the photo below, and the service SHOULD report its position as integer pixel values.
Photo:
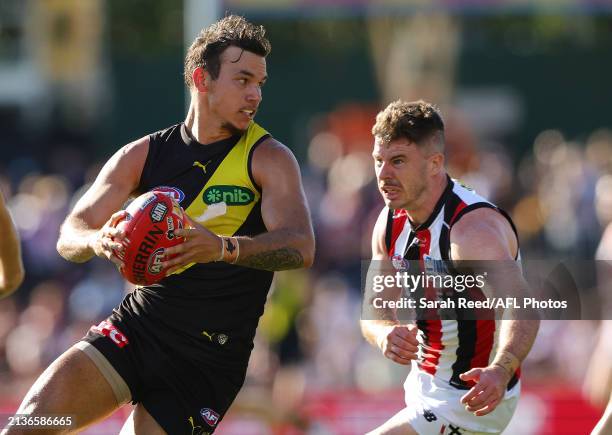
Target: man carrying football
(178, 350)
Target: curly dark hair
(416, 121)
(232, 30)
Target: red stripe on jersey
(399, 219)
(424, 237)
(460, 207)
(433, 346)
(434, 327)
(485, 335)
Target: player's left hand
(200, 246)
(491, 383)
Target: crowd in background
(559, 195)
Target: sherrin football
(149, 226)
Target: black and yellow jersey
(216, 303)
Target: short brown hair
(416, 121)
(232, 30)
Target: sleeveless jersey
(447, 347)
(215, 186)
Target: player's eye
(397, 161)
(242, 81)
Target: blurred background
(525, 93)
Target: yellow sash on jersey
(229, 190)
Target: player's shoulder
(482, 234)
(273, 153)
(168, 134)
(272, 147)
(467, 194)
(273, 162)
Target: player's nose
(253, 95)
(384, 171)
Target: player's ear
(436, 163)
(199, 77)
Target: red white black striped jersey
(447, 347)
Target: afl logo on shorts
(210, 417)
(172, 192)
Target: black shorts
(173, 381)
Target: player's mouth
(249, 113)
(390, 192)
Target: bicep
(118, 179)
(283, 202)
(482, 234)
(482, 244)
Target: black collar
(190, 141)
(441, 201)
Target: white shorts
(435, 408)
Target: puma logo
(200, 165)
(196, 430)
(219, 338)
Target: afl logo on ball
(155, 260)
(173, 192)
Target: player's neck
(427, 203)
(202, 131)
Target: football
(149, 226)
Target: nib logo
(213, 196)
(231, 195)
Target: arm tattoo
(279, 259)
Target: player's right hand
(399, 343)
(108, 240)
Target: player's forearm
(277, 250)
(515, 342)
(74, 243)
